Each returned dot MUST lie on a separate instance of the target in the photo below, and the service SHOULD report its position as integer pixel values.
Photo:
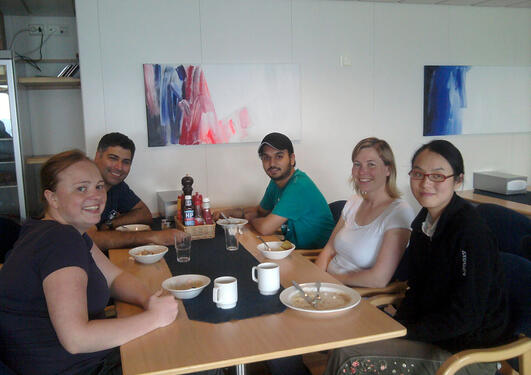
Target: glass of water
(231, 237)
(183, 244)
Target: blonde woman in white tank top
(371, 236)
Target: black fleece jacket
(457, 298)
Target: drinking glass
(231, 237)
(183, 246)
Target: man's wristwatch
(109, 224)
(112, 215)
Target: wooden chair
(395, 288)
(518, 282)
(310, 254)
(521, 348)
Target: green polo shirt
(310, 221)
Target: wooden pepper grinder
(187, 182)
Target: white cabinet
(12, 198)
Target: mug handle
(253, 274)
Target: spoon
(317, 298)
(223, 215)
(265, 243)
(304, 294)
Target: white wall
(381, 94)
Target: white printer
(500, 182)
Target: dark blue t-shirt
(121, 199)
(28, 342)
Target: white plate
(133, 228)
(353, 298)
(232, 221)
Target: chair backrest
(511, 229)
(336, 207)
(9, 231)
(518, 282)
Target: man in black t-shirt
(114, 157)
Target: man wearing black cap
(291, 201)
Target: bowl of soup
(186, 286)
(148, 254)
(277, 249)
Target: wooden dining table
(188, 346)
(501, 200)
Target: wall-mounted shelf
(50, 82)
(6, 139)
(53, 61)
(38, 159)
(7, 186)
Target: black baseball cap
(278, 141)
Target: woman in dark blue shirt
(56, 283)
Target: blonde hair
(385, 153)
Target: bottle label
(189, 217)
(207, 216)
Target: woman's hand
(164, 308)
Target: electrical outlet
(35, 29)
(63, 30)
(51, 30)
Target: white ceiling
(66, 7)
(478, 3)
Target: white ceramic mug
(267, 275)
(225, 292)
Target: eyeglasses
(435, 177)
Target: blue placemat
(210, 258)
(524, 198)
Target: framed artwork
(476, 100)
(220, 103)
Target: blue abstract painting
(476, 100)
